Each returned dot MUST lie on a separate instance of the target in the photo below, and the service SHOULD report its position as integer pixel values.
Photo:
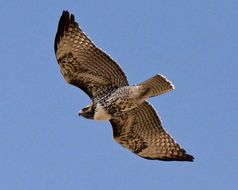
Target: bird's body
(136, 125)
(121, 100)
(124, 99)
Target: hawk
(136, 125)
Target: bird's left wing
(82, 63)
(141, 132)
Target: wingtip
(185, 157)
(64, 21)
(188, 157)
(69, 16)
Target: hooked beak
(80, 113)
(88, 115)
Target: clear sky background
(45, 145)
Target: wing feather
(141, 132)
(82, 63)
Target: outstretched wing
(141, 132)
(82, 63)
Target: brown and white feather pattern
(135, 123)
(82, 63)
(157, 84)
(141, 132)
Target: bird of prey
(136, 125)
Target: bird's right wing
(82, 63)
(141, 132)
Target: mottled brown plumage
(82, 63)
(141, 132)
(136, 125)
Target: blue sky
(45, 145)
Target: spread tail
(156, 85)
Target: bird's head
(87, 112)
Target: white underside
(100, 114)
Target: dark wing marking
(82, 63)
(141, 132)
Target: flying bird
(135, 123)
